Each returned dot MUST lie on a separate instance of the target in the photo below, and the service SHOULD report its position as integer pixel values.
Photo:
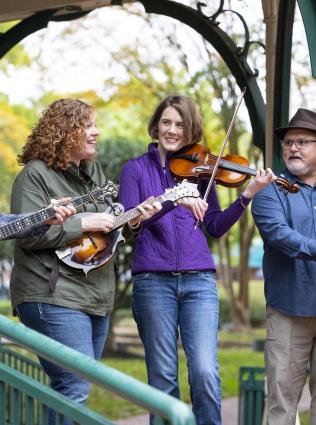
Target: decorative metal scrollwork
(241, 52)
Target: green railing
(24, 364)
(25, 398)
(251, 395)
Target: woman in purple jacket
(174, 288)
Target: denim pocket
(30, 311)
(209, 276)
(140, 276)
(17, 313)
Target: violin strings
(235, 167)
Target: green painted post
(251, 395)
(308, 12)
(29, 409)
(2, 403)
(15, 411)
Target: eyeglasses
(300, 144)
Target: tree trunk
(121, 294)
(239, 300)
(246, 233)
(226, 272)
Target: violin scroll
(285, 185)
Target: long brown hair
(189, 112)
(60, 130)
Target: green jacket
(33, 189)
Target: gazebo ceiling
(21, 9)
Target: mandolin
(96, 249)
(39, 217)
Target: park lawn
(304, 418)
(247, 337)
(229, 359)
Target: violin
(194, 162)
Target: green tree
(15, 129)
(112, 154)
(16, 58)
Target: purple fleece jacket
(168, 241)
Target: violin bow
(222, 149)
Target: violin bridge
(206, 159)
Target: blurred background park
(124, 74)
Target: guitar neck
(134, 212)
(25, 223)
(34, 219)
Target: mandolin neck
(134, 212)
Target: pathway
(229, 411)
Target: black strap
(53, 275)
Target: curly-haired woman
(55, 299)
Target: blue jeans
(163, 305)
(83, 332)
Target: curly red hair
(59, 131)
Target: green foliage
(112, 154)
(225, 313)
(110, 405)
(243, 338)
(257, 305)
(16, 57)
(304, 418)
(257, 312)
(5, 308)
(6, 249)
(14, 130)
(229, 363)
(125, 117)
